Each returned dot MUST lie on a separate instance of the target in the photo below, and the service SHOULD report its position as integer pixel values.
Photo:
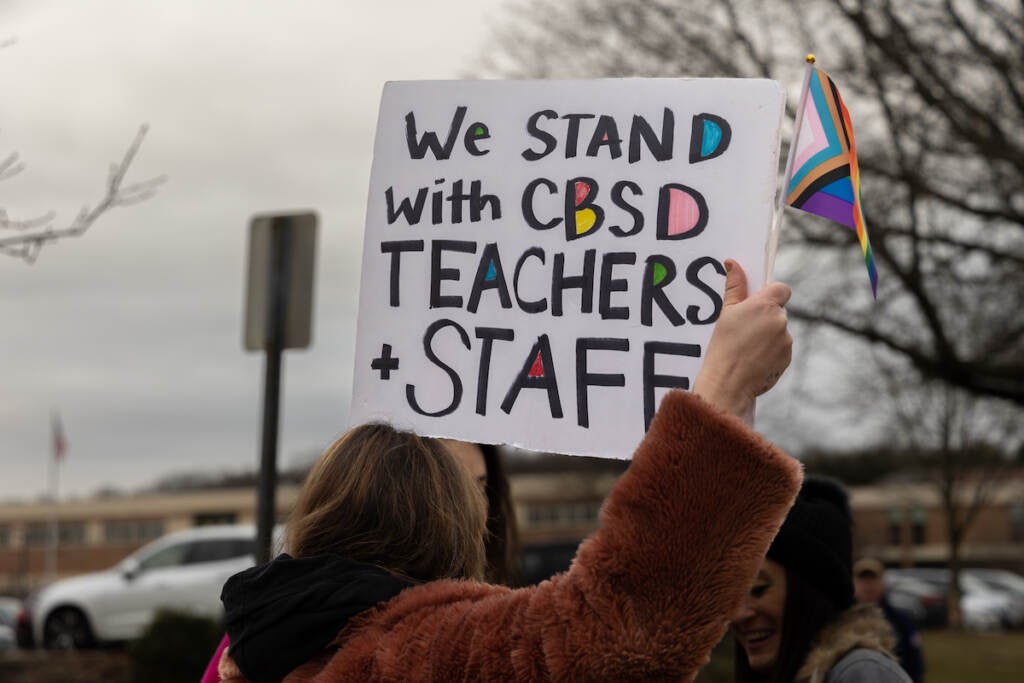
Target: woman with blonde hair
(501, 538)
(382, 579)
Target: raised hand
(750, 348)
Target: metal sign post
(278, 316)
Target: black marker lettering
(549, 140)
(606, 134)
(610, 284)
(583, 282)
(654, 381)
(641, 130)
(407, 208)
(573, 132)
(576, 203)
(664, 205)
(620, 201)
(428, 350)
(418, 148)
(396, 248)
(527, 204)
(488, 335)
(540, 305)
(538, 373)
(698, 137)
(439, 274)
(585, 378)
(474, 134)
(659, 272)
(489, 275)
(693, 277)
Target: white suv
(184, 570)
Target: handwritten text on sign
(543, 259)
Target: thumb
(735, 283)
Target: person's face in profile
(757, 623)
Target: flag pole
(51, 548)
(773, 235)
(56, 456)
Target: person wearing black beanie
(798, 622)
(816, 540)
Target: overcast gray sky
(133, 331)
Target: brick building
(557, 501)
(905, 525)
(97, 533)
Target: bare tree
(961, 442)
(31, 234)
(936, 90)
(24, 238)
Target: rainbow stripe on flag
(825, 178)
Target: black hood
(280, 614)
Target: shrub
(175, 648)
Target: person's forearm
(648, 594)
(682, 535)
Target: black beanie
(816, 540)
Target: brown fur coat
(857, 646)
(646, 598)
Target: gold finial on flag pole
(773, 235)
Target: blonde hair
(393, 499)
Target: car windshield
(1003, 581)
(940, 580)
(196, 551)
(972, 584)
(171, 556)
(913, 586)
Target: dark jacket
(908, 641)
(279, 615)
(856, 648)
(647, 597)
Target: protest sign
(544, 259)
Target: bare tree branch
(37, 232)
(935, 88)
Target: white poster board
(544, 259)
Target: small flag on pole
(60, 444)
(822, 176)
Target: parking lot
(950, 656)
(41, 666)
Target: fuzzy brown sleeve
(647, 596)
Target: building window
(209, 518)
(1017, 522)
(71, 533)
(68, 533)
(540, 515)
(563, 514)
(37, 534)
(132, 530)
(895, 526)
(918, 525)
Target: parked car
(23, 624)
(184, 570)
(925, 603)
(981, 608)
(9, 609)
(1003, 581)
